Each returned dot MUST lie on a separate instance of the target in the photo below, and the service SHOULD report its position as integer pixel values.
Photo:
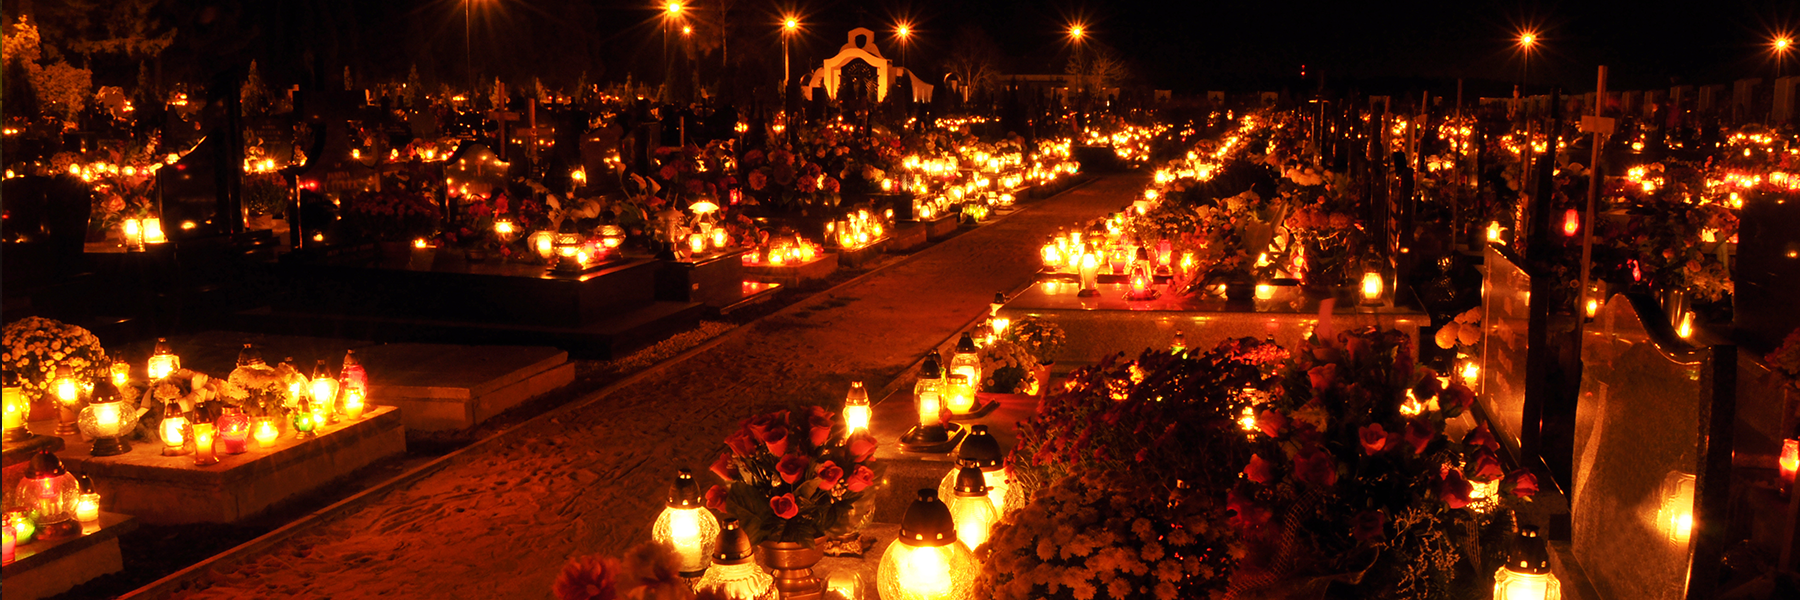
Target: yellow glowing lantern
(87, 504)
(856, 408)
(1371, 286)
(686, 526)
(1686, 328)
(1052, 256)
(1526, 574)
(153, 231)
(505, 229)
(354, 403)
(133, 230)
(958, 394)
(323, 390)
(926, 562)
(121, 374)
(12, 399)
(107, 420)
(1789, 462)
(68, 400)
(966, 362)
(1090, 275)
(204, 436)
(1675, 516)
(163, 361)
(1471, 372)
(696, 243)
(928, 400)
(174, 429)
(1493, 232)
(1265, 291)
(544, 242)
(970, 507)
(734, 574)
(1000, 325)
(720, 238)
(981, 449)
(265, 431)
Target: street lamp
(1078, 34)
(1527, 41)
(1782, 43)
(904, 33)
(671, 12)
(789, 25)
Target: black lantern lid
(1528, 554)
(684, 493)
(999, 297)
(10, 379)
(927, 522)
(250, 356)
(320, 370)
(858, 393)
(981, 449)
(104, 391)
(84, 483)
(1143, 253)
(162, 347)
(969, 480)
(350, 359)
(965, 345)
(44, 464)
(932, 368)
(734, 544)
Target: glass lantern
(1526, 575)
(928, 399)
(1141, 276)
(1371, 287)
(856, 408)
(234, 430)
(324, 391)
(68, 401)
(12, 399)
(49, 493)
(544, 243)
(206, 435)
(1090, 275)
(107, 420)
(967, 363)
(734, 574)
(174, 429)
(1675, 516)
(687, 526)
(87, 506)
(982, 449)
(926, 562)
(353, 376)
(163, 361)
(611, 237)
(970, 508)
(265, 430)
(568, 253)
(121, 374)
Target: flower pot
(791, 563)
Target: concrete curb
(177, 581)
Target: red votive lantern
(234, 430)
(1790, 462)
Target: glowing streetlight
(671, 12)
(687, 30)
(903, 31)
(673, 8)
(1781, 45)
(789, 25)
(1527, 41)
(1076, 32)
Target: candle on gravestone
(204, 436)
(959, 393)
(266, 432)
(930, 406)
(87, 509)
(353, 403)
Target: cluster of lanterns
(568, 251)
(784, 251)
(858, 229)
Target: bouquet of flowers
(36, 346)
(1101, 532)
(1009, 369)
(394, 213)
(799, 486)
(1785, 360)
(1040, 337)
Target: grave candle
(929, 407)
(205, 434)
(87, 509)
(1790, 462)
(121, 374)
(163, 361)
(11, 539)
(68, 397)
(12, 399)
(958, 394)
(353, 404)
(174, 430)
(856, 408)
(266, 432)
(153, 231)
(696, 243)
(1090, 275)
(234, 431)
(1371, 286)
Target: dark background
(1184, 46)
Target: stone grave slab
(715, 280)
(1100, 326)
(857, 257)
(46, 568)
(908, 236)
(171, 490)
(943, 226)
(820, 267)
(441, 387)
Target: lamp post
(468, 54)
(1078, 34)
(671, 12)
(788, 27)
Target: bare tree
(975, 60)
(1094, 70)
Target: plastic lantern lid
(970, 482)
(10, 379)
(999, 297)
(966, 345)
(981, 449)
(44, 464)
(350, 358)
(84, 483)
(857, 392)
(684, 493)
(1143, 253)
(1528, 554)
(104, 391)
(734, 544)
(162, 347)
(931, 369)
(250, 356)
(928, 522)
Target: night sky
(1185, 46)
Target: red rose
(752, 157)
(1271, 422)
(1524, 484)
(1368, 525)
(1315, 466)
(806, 185)
(667, 173)
(831, 185)
(777, 441)
(1324, 376)
(862, 445)
(760, 425)
(1249, 515)
(1457, 395)
(819, 422)
(724, 467)
(1487, 466)
(741, 443)
(784, 506)
(1453, 489)
(715, 498)
(1481, 437)
(829, 474)
(1356, 346)
(1258, 470)
(1374, 438)
(859, 479)
(791, 467)
(1419, 435)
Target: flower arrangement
(262, 390)
(394, 213)
(799, 486)
(1785, 360)
(1099, 532)
(36, 346)
(1009, 369)
(648, 571)
(1040, 337)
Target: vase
(792, 563)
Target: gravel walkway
(500, 521)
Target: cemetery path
(500, 520)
